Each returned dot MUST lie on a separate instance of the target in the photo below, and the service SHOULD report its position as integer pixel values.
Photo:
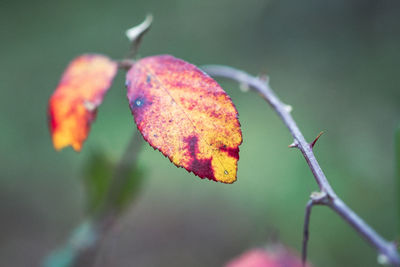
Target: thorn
(316, 139)
(288, 108)
(293, 145)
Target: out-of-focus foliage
(110, 189)
(97, 178)
(110, 186)
(335, 62)
(128, 188)
(81, 238)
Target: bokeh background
(335, 62)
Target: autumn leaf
(273, 256)
(73, 105)
(186, 115)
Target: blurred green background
(335, 62)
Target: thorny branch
(327, 196)
(86, 247)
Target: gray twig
(136, 33)
(387, 250)
(306, 232)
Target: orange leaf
(73, 105)
(186, 115)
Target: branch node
(320, 198)
(125, 64)
(316, 139)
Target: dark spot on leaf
(201, 167)
(232, 152)
(214, 114)
(138, 102)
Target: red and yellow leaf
(73, 105)
(185, 114)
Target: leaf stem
(136, 33)
(386, 249)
